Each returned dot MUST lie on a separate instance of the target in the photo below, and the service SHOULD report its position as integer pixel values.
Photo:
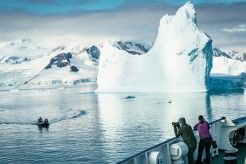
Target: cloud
(239, 28)
(133, 20)
(212, 18)
(140, 24)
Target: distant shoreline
(44, 87)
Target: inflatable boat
(42, 124)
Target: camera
(176, 124)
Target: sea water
(88, 127)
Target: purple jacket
(203, 129)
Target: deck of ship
(229, 129)
(241, 155)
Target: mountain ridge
(85, 56)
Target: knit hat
(200, 117)
(182, 120)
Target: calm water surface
(99, 128)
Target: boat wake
(68, 116)
(71, 114)
(19, 123)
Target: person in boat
(205, 139)
(40, 120)
(185, 131)
(46, 120)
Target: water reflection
(131, 125)
(208, 107)
(41, 129)
(244, 95)
(100, 128)
(134, 124)
(118, 112)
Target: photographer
(205, 139)
(185, 131)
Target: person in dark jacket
(40, 120)
(46, 120)
(186, 132)
(205, 139)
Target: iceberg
(180, 59)
(227, 74)
(224, 65)
(226, 82)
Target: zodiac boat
(42, 124)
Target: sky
(52, 23)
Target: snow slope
(22, 62)
(181, 59)
(223, 65)
(227, 73)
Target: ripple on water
(99, 128)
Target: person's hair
(200, 117)
(182, 120)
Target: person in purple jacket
(205, 139)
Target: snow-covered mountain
(224, 63)
(236, 55)
(18, 51)
(180, 59)
(133, 48)
(218, 53)
(24, 43)
(23, 62)
(30, 64)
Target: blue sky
(56, 22)
(59, 6)
(63, 6)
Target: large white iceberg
(180, 60)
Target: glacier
(224, 65)
(180, 59)
(227, 73)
